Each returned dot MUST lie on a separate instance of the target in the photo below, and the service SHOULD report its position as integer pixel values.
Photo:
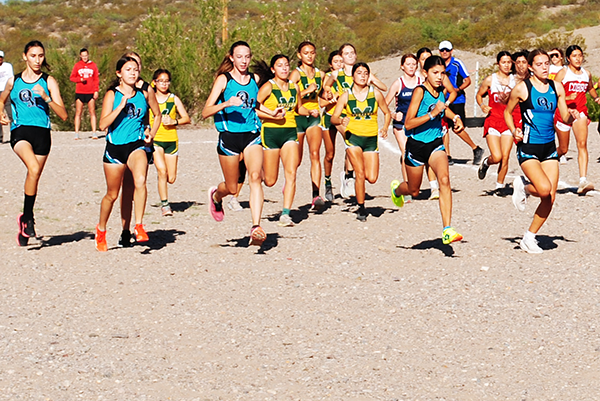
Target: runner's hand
(518, 135)
(234, 101)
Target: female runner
(556, 62)
(166, 142)
(336, 62)
(123, 111)
(310, 80)
(499, 138)
(343, 78)
(232, 101)
(539, 97)
(32, 94)
(401, 90)
(577, 82)
(279, 136)
(360, 104)
(424, 144)
(423, 54)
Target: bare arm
(485, 86)
(153, 104)
(211, 108)
(519, 93)
(108, 115)
(336, 118)
(377, 83)
(386, 112)
(53, 98)
(184, 117)
(450, 90)
(4, 120)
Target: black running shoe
(361, 215)
(450, 161)
(29, 229)
(125, 239)
(477, 155)
(483, 168)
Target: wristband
(49, 100)
(431, 117)
(447, 103)
(455, 117)
(596, 98)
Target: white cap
(445, 45)
(1, 54)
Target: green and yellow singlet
(344, 82)
(310, 101)
(285, 99)
(167, 108)
(363, 114)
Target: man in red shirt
(85, 75)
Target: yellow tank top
(363, 114)
(334, 89)
(167, 108)
(344, 82)
(286, 99)
(310, 101)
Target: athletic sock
(164, 202)
(327, 180)
(285, 212)
(361, 208)
(315, 193)
(582, 179)
(28, 207)
(434, 184)
(499, 185)
(529, 235)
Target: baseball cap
(445, 45)
(1, 54)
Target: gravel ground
(328, 309)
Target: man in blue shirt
(459, 77)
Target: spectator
(85, 75)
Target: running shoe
(584, 187)
(29, 228)
(100, 240)
(285, 221)
(530, 245)
(94, 136)
(317, 203)
(215, 208)
(125, 239)
(563, 159)
(257, 236)
(329, 193)
(450, 235)
(398, 200)
(407, 199)
(234, 204)
(483, 168)
(350, 187)
(361, 215)
(140, 234)
(76, 137)
(344, 186)
(477, 155)
(450, 161)
(519, 196)
(21, 240)
(435, 194)
(166, 210)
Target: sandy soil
(328, 309)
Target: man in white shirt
(6, 71)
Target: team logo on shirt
(362, 114)
(131, 111)
(287, 104)
(27, 97)
(578, 87)
(544, 103)
(247, 102)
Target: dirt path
(329, 309)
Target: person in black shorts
(85, 76)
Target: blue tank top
(537, 112)
(129, 125)
(432, 129)
(238, 119)
(28, 108)
(403, 98)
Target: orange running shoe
(100, 239)
(257, 236)
(140, 233)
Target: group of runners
(264, 113)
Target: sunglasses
(554, 55)
(445, 50)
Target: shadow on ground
(545, 242)
(271, 242)
(57, 240)
(437, 243)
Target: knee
(314, 154)
(373, 179)
(139, 181)
(414, 192)
(171, 178)
(545, 192)
(253, 178)
(444, 181)
(34, 171)
(329, 155)
(269, 182)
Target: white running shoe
(344, 186)
(234, 205)
(285, 221)
(530, 246)
(519, 196)
(435, 194)
(563, 159)
(584, 187)
(350, 187)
